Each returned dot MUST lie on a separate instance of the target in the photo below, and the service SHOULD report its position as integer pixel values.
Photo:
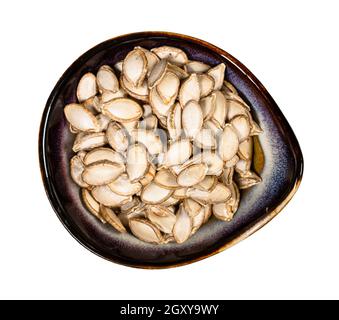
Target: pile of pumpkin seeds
(162, 143)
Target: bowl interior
(280, 168)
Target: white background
(291, 46)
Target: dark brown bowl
(281, 167)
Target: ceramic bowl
(278, 160)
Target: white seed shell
(192, 175)
(116, 137)
(102, 172)
(124, 187)
(134, 67)
(218, 74)
(137, 162)
(105, 196)
(189, 90)
(178, 152)
(206, 83)
(154, 194)
(168, 87)
(196, 67)
(145, 230)
(192, 119)
(109, 215)
(122, 110)
(106, 79)
(89, 141)
(172, 54)
(99, 154)
(80, 118)
(228, 143)
(149, 139)
(87, 87)
(77, 167)
(183, 226)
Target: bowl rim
(252, 228)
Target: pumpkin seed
(165, 222)
(149, 176)
(208, 212)
(109, 215)
(220, 193)
(140, 92)
(174, 122)
(147, 110)
(145, 230)
(178, 152)
(227, 176)
(217, 73)
(208, 106)
(179, 72)
(241, 126)
(91, 204)
(159, 107)
(242, 166)
(149, 139)
(171, 54)
(248, 180)
(192, 175)
(183, 226)
(106, 79)
(166, 179)
(87, 87)
(137, 162)
(77, 167)
(246, 149)
(214, 127)
(192, 207)
(196, 67)
(80, 118)
(116, 137)
(170, 202)
(154, 194)
(234, 108)
(89, 141)
(151, 58)
(157, 73)
(99, 154)
(168, 87)
(229, 88)
(228, 143)
(211, 159)
(124, 187)
(206, 83)
(129, 126)
(160, 211)
(205, 139)
(207, 183)
(220, 110)
(102, 172)
(103, 122)
(192, 119)
(149, 123)
(197, 221)
(104, 195)
(118, 65)
(122, 110)
(180, 193)
(134, 67)
(189, 90)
